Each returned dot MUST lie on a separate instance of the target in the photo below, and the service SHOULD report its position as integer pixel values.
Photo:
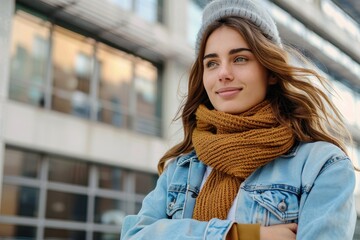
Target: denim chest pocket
(276, 204)
(175, 201)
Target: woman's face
(233, 78)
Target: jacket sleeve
(327, 208)
(152, 221)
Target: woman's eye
(210, 64)
(240, 59)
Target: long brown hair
(295, 99)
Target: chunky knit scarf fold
(234, 146)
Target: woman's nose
(225, 72)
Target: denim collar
(187, 158)
(293, 150)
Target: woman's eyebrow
(210, 55)
(237, 50)
(232, 51)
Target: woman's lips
(228, 92)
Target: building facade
(88, 94)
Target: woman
(263, 149)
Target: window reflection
(100, 185)
(125, 4)
(111, 178)
(144, 182)
(146, 97)
(106, 236)
(328, 48)
(109, 211)
(340, 18)
(67, 206)
(10, 231)
(21, 163)
(126, 85)
(72, 68)
(147, 9)
(67, 171)
(28, 58)
(150, 10)
(194, 19)
(115, 76)
(19, 201)
(61, 234)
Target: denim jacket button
(171, 205)
(282, 206)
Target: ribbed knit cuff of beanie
(251, 10)
(244, 232)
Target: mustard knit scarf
(234, 146)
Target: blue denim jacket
(311, 185)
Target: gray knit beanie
(247, 9)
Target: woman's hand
(279, 232)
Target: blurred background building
(88, 91)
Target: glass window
(64, 204)
(19, 201)
(145, 182)
(146, 119)
(110, 211)
(21, 163)
(115, 76)
(62, 234)
(111, 178)
(67, 206)
(341, 19)
(150, 10)
(10, 231)
(147, 9)
(72, 69)
(194, 13)
(125, 4)
(106, 236)
(67, 171)
(28, 59)
(128, 86)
